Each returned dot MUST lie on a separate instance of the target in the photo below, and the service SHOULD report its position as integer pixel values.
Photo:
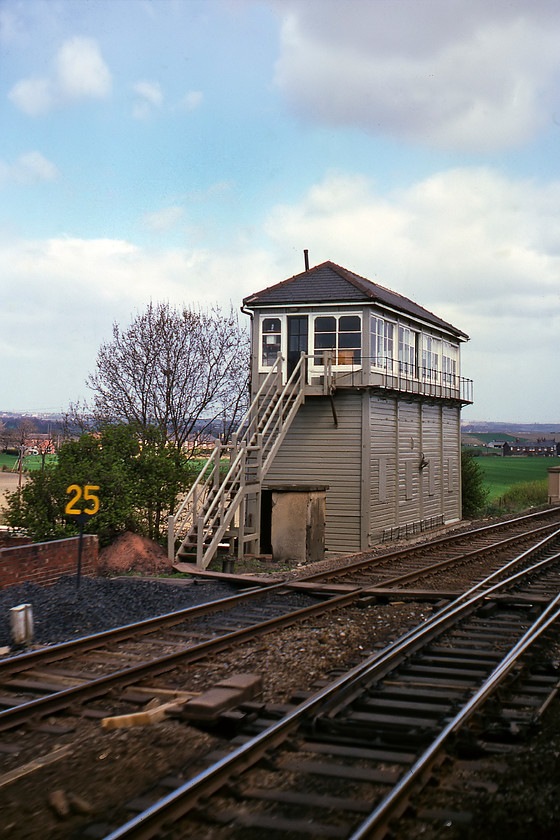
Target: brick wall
(44, 563)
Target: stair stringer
(212, 504)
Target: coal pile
(63, 611)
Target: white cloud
(472, 76)
(165, 219)
(33, 96)
(79, 72)
(29, 168)
(149, 97)
(64, 295)
(192, 100)
(479, 250)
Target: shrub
(139, 481)
(474, 495)
(524, 495)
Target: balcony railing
(404, 377)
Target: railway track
(49, 680)
(347, 760)
(475, 553)
(34, 684)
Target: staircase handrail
(236, 483)
(273, 374)
(235, 466)
(287, 391)
(200, 483)
(211, 513)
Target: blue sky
(189, 150)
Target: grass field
(502, 473)
(30, 462)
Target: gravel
(61, 612)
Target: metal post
(171, 538)
(80, 544)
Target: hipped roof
(330, 283)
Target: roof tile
(330, 283)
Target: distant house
(546, 448)
(495, 444)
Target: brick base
(44, 563)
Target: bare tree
(179, 370)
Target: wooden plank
(147, 717)
(375, 753)
(298, 828)
(36, 764)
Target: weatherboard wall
(414, 463)
(317, 451)
(389, 462)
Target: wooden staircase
(226, 507)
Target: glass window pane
(325, 341)
(349, 323)
(325, 324)
(271, 341)
(271, 325)
(349, 340)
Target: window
(381, 343)
(407, 352)
(449, 364)
(342, 335)
(430, 358)
(271, 340)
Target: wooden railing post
(199, 541)
(216, 476)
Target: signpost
(83, 503)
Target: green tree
(474, 495)
(139, 480)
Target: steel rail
(179, 802)
(377, 820)
(432, 544)
(463, 558)
(450, 612)
(53, 653)
(60, 700)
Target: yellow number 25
(88, 494)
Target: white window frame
(431, 355)
(382, 358)
(408, 368)
(450, 364)
(315, 367)
(262, 368)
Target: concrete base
(298, 524)
(553, 485)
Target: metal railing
(405, 377)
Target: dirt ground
(9, 481)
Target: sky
(190, 150)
